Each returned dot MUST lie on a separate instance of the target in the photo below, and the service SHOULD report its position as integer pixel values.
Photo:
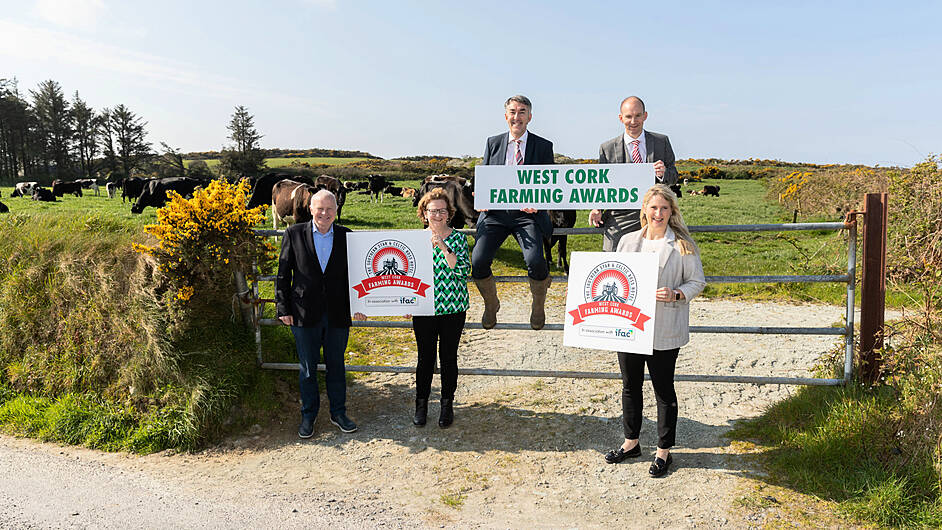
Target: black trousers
(491, 233)
(443, 331)
(661, 367)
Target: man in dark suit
(311, 296)
(528, 226)
(635, 145)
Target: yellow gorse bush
(204, 239)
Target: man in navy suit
(311, 296)
(528, 226)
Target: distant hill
(288, 153)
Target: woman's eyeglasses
(437, 212)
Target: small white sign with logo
(611, 300)
(391, 273)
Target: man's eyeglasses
(437, 212)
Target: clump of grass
(88, 353)
(453, 500)
(837, 443)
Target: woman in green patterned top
(452, 264)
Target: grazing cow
(112, 189)
(4, 208)
(42, 194)
(377, 183)
(291, 199)
(560, 219)
(261, 193)
(711, 190)
(155, 194)
(89, 184)
(61, 187)
(459, 192)
(350, 185)
(393, 191)
(677, 191)
(24, 189)
(408, 192)
(131, 188)
(326, 182)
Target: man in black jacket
(528, 226)
(311, 297)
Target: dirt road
(523, 452)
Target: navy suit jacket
(302, 289)
(538, 151)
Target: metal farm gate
(847, 331)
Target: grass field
(282, 162)
(741, 202)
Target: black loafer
(618, 455)
(306, 430)
(345, 423)
(659, 467)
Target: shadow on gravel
(383, 411)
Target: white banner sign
(562, 187)
(391, 273)
(611, 300)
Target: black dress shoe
(345, 423)
(306, 430)
(659, 467)
(447, 415)
(617, 455)
(421, 412)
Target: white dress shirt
(512, 146)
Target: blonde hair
(676, 221)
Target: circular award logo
(611, 281)
(390, 257)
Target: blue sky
(825, 82)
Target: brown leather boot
(488, 288)
(537, 314)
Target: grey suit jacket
(685, 273)
(658, 147)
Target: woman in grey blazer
(680, 279)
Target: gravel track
(522, 452)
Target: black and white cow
(155, 194)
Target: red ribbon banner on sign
(390, 280)
(618, 309)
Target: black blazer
(539, 151)
(305, 292)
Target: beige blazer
(685, 273)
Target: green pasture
(740, 202)
(282, 162)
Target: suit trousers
(443, 331)
(661, 367)
(491, 233)
(309, 342)
(617, 224)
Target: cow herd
(140, 191)
(290, 195)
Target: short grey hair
(324, 193)
(523, 100)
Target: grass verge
(838, 444)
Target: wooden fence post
(873, 286)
